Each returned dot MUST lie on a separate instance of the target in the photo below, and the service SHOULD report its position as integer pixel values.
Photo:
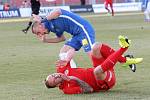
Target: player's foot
(131, 62)
(24, 31)
(124, 42)
(112, 14)
(132, 66)
(108, 14)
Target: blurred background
(45, 3)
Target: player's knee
(66, 48)
(62, 56)
(95, 49)
(99, 74)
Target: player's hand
(36, 18)
(61, 63)
(65, 77)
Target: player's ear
(46, 83)
(33, 27)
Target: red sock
(106, 51)
(112, 59)
(106, 7)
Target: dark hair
(47, 85)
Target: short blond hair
(35, 24)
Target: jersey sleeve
(72, 90)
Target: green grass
(25, 61)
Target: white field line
(118, 14)
(85, 16)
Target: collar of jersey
(49, 26)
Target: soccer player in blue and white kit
(60, 21)
(146, 9)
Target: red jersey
(86, 75)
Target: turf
(25, 61)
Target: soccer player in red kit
(82, 80)
(110, 3)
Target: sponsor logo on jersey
(85, 42)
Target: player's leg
(147, 12)
(69, 49)
(35, 10)
(81, 40)
(107, 81)
(109, 63)
(112, 59)
(66, 54)
(149, 9)
(29, 25)
(101, 51)
(87, 39)
(105, 50)
(111, 7)
(147, 18)
(106, 6)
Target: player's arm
(99, 73)
(86, 88)
(54, 14)
(52, 40)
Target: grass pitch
(25, 61)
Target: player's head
(53, 80)
(39, 28)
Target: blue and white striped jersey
(69, 22)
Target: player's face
(54, 79)
(40, 29)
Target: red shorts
(108, 82)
